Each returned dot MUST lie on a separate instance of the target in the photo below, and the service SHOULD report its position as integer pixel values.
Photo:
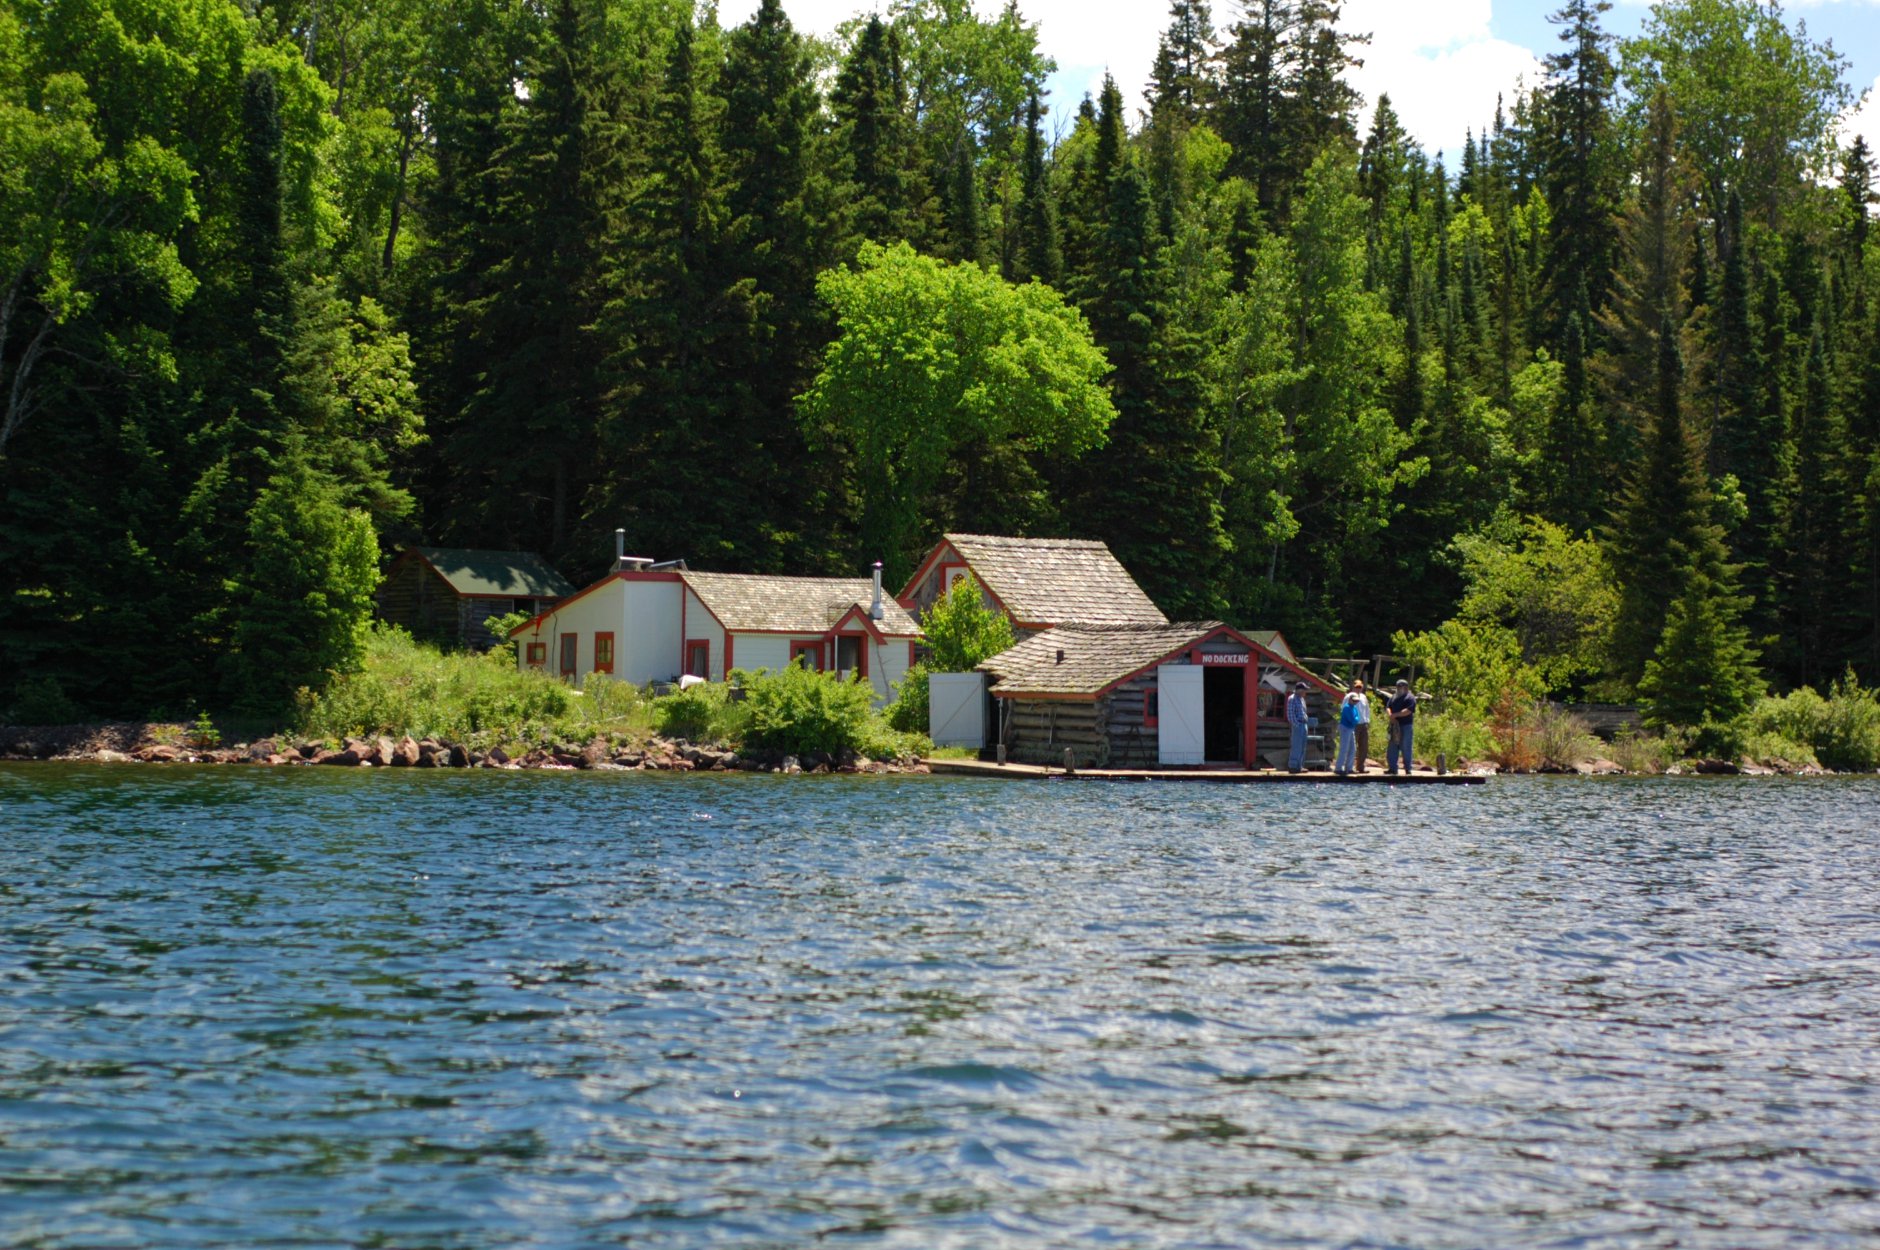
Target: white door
(1179, 733)
(956, 709)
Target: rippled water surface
(316, 1008)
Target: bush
(42, 701)
(909, 713)
(799, 710)
(702, 713)
(1445, 733)
(1647, 753)
(1842, 730)
(1470, 667)
(407, 687)
(1535, 735)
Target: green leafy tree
(931, 356)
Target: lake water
(252, 1008)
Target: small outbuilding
(447, 593)
(1133, 695)
(1036, 582)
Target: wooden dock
(1224, 776)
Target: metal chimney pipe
(620, 549)
(874, 609)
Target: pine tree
(965, 215)
(522, 452)
(1579, 173)
(1573, 460)
(870, 106)
(1663, 532)
(1154, 491)
(1819, 517)
(1183, 79)
(1038, 254)
(1703, 675)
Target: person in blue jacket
(1350, 716)
(1297, 718)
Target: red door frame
(570, 654)
(607, 665)
(702, 648)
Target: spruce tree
(1037, 254)
(965, 215)
(870, 106)
(1703, 674)
(1663, 532)
(1182, 80)
(1579, 168)
(1819, 518)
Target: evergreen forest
(287, 285)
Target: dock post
(1442, 764)
(1070, 762)
(1001, 753)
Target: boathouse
(1135, 695)
(1036, 582)
(653, 622)
(447, 593)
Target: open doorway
(1223, 702)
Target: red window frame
(604, 652)
(1151, 709)
(861, 653)
(810, 652)
(536, 655)
(698, 658)
(570, 654)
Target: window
(1151, 709)
(851, 655)
(698, 658)
(570, 646)
(604, 652)
(537, 655)
(810, 653)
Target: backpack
(1348, 715)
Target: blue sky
(1442, 61)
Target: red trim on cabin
(912, 646)
(920, 570)
(604, 651)
(536, 655)
(570, 653)
(1152, 708)
(698, 658)
(730, 642)
(1253, 648)
(866, 621)
(685, 593)
(812, 651)
(861, 651)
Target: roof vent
(1060, 658)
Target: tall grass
(409, 687)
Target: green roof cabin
(445, 594)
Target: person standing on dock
(1403, 714)
(1297, 718)
(1362, 736)
(1350, 712)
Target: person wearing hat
(1362, 735)
(1297, 718)
(1402, 708)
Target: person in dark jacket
(1402, 709)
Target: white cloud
(1437, 58)
(1863, 118)
(1440, 64)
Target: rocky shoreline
(143, 743)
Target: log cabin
(445, 594)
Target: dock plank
(1219, 776)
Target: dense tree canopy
(285, 285)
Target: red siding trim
(604, 646)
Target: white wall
(585, 617)
(755, 651)
(702, 625)
(651, 650)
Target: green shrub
(1470, 667)
(800, 710)
(1842, 729)
(909, 713)
(408, 687)
(1445, 733)
(702, 713)
(1773, 750)
(1647, 753)
(42, 701)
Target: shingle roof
(1049, 581)
(797, 605)
(1094, 656)
(519, 574)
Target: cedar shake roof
(516, 574)
(1049, 581)
(794, 605)
(1095, 656)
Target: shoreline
(157, 742)
(147, 742)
